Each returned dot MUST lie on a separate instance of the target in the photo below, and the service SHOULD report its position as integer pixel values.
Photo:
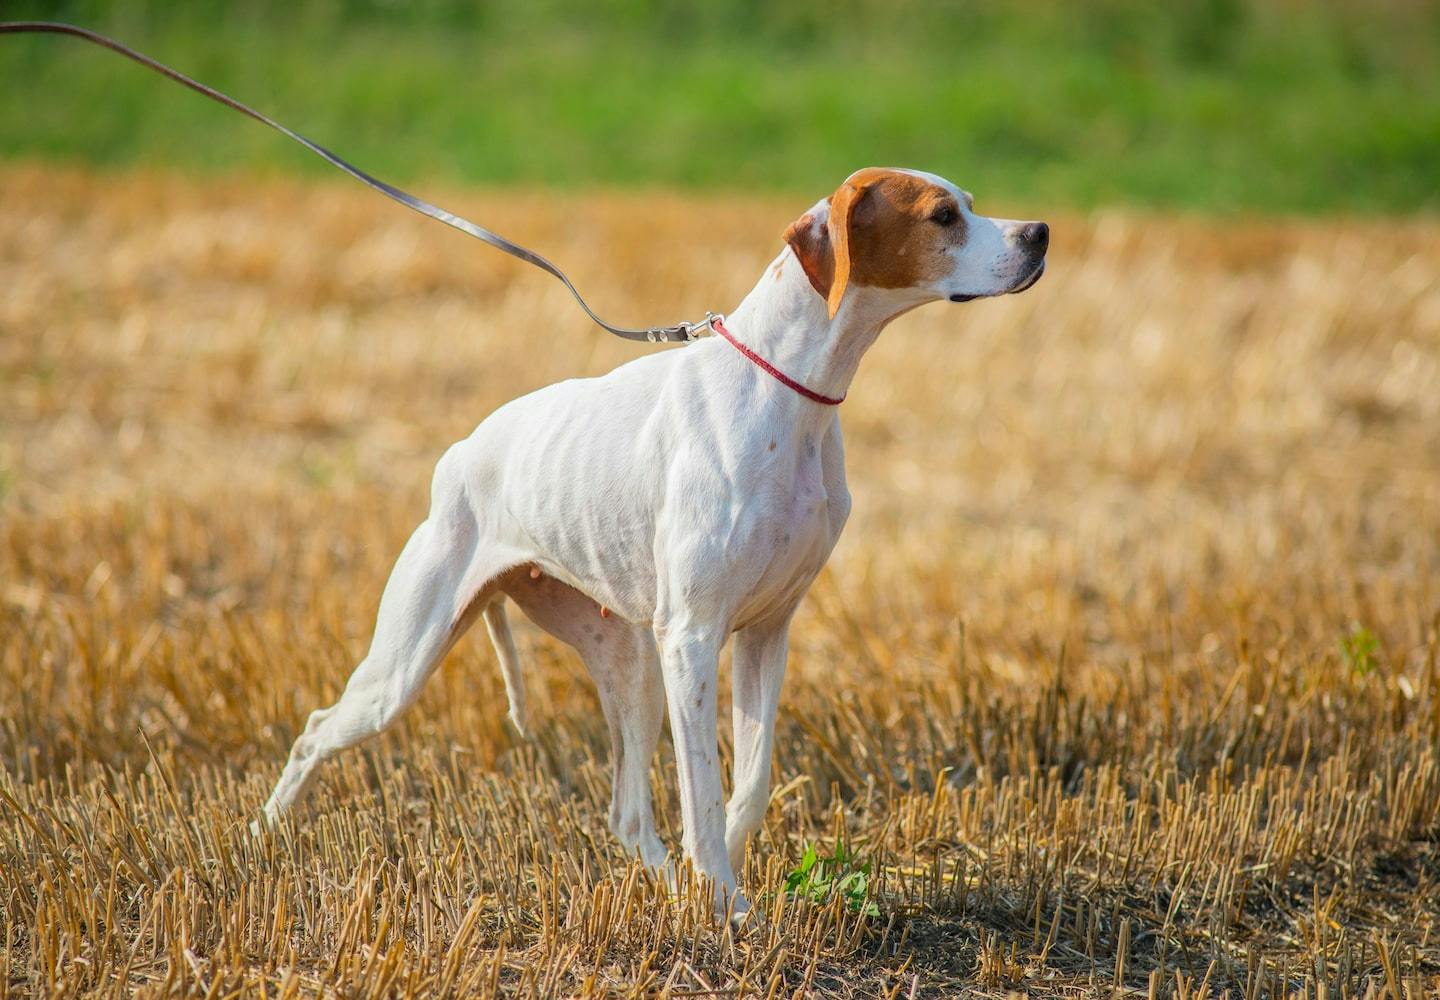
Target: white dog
(646, 515)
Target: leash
(680, 332)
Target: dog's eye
(943, 216)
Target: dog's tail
(498, 625)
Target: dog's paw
(517, 721)
(739, 911)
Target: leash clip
(683, 332)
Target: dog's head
(917, 236)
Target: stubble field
(1124, 675)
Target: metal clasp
(683, 332)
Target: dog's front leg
(758, 671)
(689, 658)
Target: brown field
(1124, 676)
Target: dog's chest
(790, 536)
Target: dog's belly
(596, 536)
(552, 480)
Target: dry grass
(1074, 681)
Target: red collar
(718, 326)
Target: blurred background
(1133, 633)
(1218, 105)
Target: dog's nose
(1035, 237)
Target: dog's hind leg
(436, 590)
(632, 694)
(623, 661)
(497, 623)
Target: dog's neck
(786, 322)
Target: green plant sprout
(819, 880)
(1359, 648)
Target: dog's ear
(809, 238)
(843, 204)
(821, 241)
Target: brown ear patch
(890, 240)
(812, 247)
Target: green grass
(820, 879)
(1214, 105)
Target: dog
(647, 515)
